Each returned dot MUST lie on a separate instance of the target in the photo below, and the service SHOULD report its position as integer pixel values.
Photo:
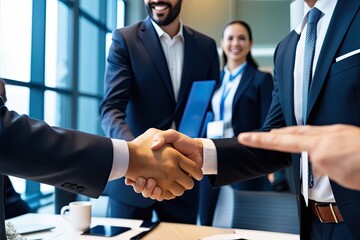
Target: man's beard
(173, 12)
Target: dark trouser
(313, 229)
(328, 231)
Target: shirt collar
(161, 32)
(226, 69)
(327, 7)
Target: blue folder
(196, 107)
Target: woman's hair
(249, 57)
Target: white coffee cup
(79, 215)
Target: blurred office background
(53, 54)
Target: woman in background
(240, 104)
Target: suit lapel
(245, 81)
(338, 27)
(152, 44)
(289, 62)
(190, 47)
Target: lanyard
(227, 90)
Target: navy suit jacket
(31, 149)
(138, 89)
(252, 100)
(334, 98)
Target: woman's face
(236, 43)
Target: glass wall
(52, 57)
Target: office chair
(267, 211)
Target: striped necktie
(312, 20)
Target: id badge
(215, 129)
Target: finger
(185, 180)
(129, 182)
(138, 185)
(274, 141)
(176, 189)
(164, 137)
(156, 194)
(300, 130)
(167, 195)
(149, 188)
(191, 168)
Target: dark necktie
(312, 20)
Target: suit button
(80, 189)
(66, 185)
(73, 187)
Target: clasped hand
(169, 172)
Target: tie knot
(314, 16)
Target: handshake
(162, 164)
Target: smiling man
(150, 70)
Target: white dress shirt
(174, 54)
(321, 191)
(120, 159)
(228, 104)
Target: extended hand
(172, 171)
(334, 149)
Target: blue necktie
(312, 20)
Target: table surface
(164, 231)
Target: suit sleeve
(117, 87)
(71, 160)
(239, 163)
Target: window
(54, 66)
(15, 45)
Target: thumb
(165, 137)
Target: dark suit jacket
(252, 100)
(138, 88)
(70, 160)
(334, 98)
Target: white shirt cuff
(210, 165)
(120, 160)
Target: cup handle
(63, 211)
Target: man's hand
(172, 171)
(191, 148)
(334, 150)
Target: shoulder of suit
(133, 27)
(192, 32)
(258, 73)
